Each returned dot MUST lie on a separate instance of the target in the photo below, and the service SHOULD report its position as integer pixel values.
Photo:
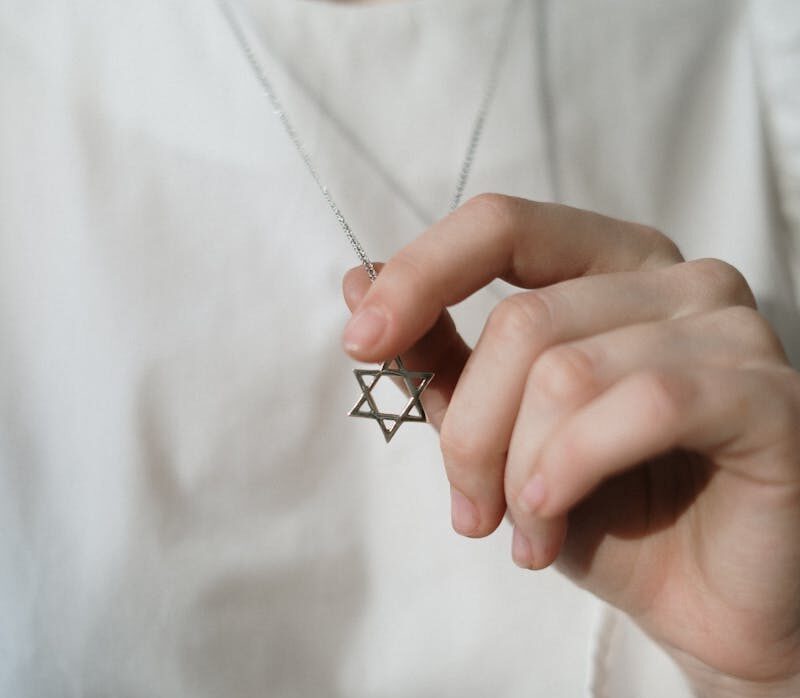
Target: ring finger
(568, 376)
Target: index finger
(526, 243)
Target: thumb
(441, 349)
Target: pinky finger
(717, 412)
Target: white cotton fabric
(184, 508)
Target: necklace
(414, 381)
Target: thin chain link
(475, 136)
(488, 96)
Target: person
(186, 509)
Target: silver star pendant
(415, 382)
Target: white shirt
(184, 508)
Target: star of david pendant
(415, 382)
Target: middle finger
(477, 426)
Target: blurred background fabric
(185, 510)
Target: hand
(634, 413)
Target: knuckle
(461, 449)
(755, 330)
(514, 481)
(721, 282)
(496, 210)
(564, 374)
(664, 249)
(518, 317)
(661, 396)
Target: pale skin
(631, 412)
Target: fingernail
(464, 513)
(364, 329)
(521, 550)
(532, 495)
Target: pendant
(415, 382)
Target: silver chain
(477, 128)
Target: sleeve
(628, 664)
